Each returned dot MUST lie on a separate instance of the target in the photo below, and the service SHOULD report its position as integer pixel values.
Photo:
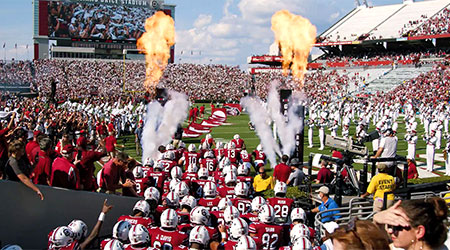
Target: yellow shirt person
(379, 184)
(262, 182)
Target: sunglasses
(262, 172)
(396, 229)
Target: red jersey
(250, 217)
(233, 155)
(227, 192)
(239, 143)
(110, 127)
(87, 168)
(268, 236)
(213, 232)
(242, 204)
(146, 170)
(246, 157)
(209, 203)
(282, 206)
(146, 222)
(197, 187)
(218, 215)
(64, 174)
(110, 143)
(281, 172)
(167, 165)
(220, 152)
(191, 158)
(259, 155)
(246, 179)
(209, 163)
(159, 178)
(104, 242)
(189, 176)
(141, 185)
(163, 239)
(42, 170)
(230, 245)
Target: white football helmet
(298, 214)
(121, 229)
(241, 189)
(299, 231)
(238, 228)
(199, 235)
(224, 203)
(231, 145)
(230, 213)
(170, 146)
(224, 162)
(182, 145)
(181, 189)
(302, 244)
(143, 207)
(259, 147)
(280, 188)
(169, 155)
(200, 215)
(203, 173)
(176, 172)
(61, 237)
(266, 214)
(246, 243)
(243, 169)
(257, 202)
(138, 234)
(173, 183)
(12, 247)
(192, 148)
(208, 154)
(192, 168)
(210, 189)
(149, 162)
(169, 218)
(229, 169)
(172, 199)
(230, 178)
(219, 145)
(189, 201)
(138, 173)
(159, 166)
(236, 136)
(114, 245)
(79, 229)
(152, 193)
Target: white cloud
(246, 31)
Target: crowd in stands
(435, 25)
(16, 72)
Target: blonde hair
(364, 235)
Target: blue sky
(217, 31)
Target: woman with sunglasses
(416, 224)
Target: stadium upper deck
(382, 22)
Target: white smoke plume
(288, 128)
(260, 119)
(161, 123)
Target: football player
(167, 236)
(252, 215)
(280, 203)
(190, 157)
(241, 201)
(266, 234)
(140, 212)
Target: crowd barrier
(26, 220)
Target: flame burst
(155, 43)
(295, 36)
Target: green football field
(239, 125)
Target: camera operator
(387, 147)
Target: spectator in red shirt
(64, 172)
(412, 170)
(4, 144)
(113, 172)
(86, 165)
(282, 170)
(336, 154)
(32, 145)
(325, 175)
(42, 171)
(111, 144)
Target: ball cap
(323, 189)
(67, 149)
(36, 133)
(382, 167)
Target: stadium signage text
(118, 2)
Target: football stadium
(336, 137)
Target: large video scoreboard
(91, 28)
